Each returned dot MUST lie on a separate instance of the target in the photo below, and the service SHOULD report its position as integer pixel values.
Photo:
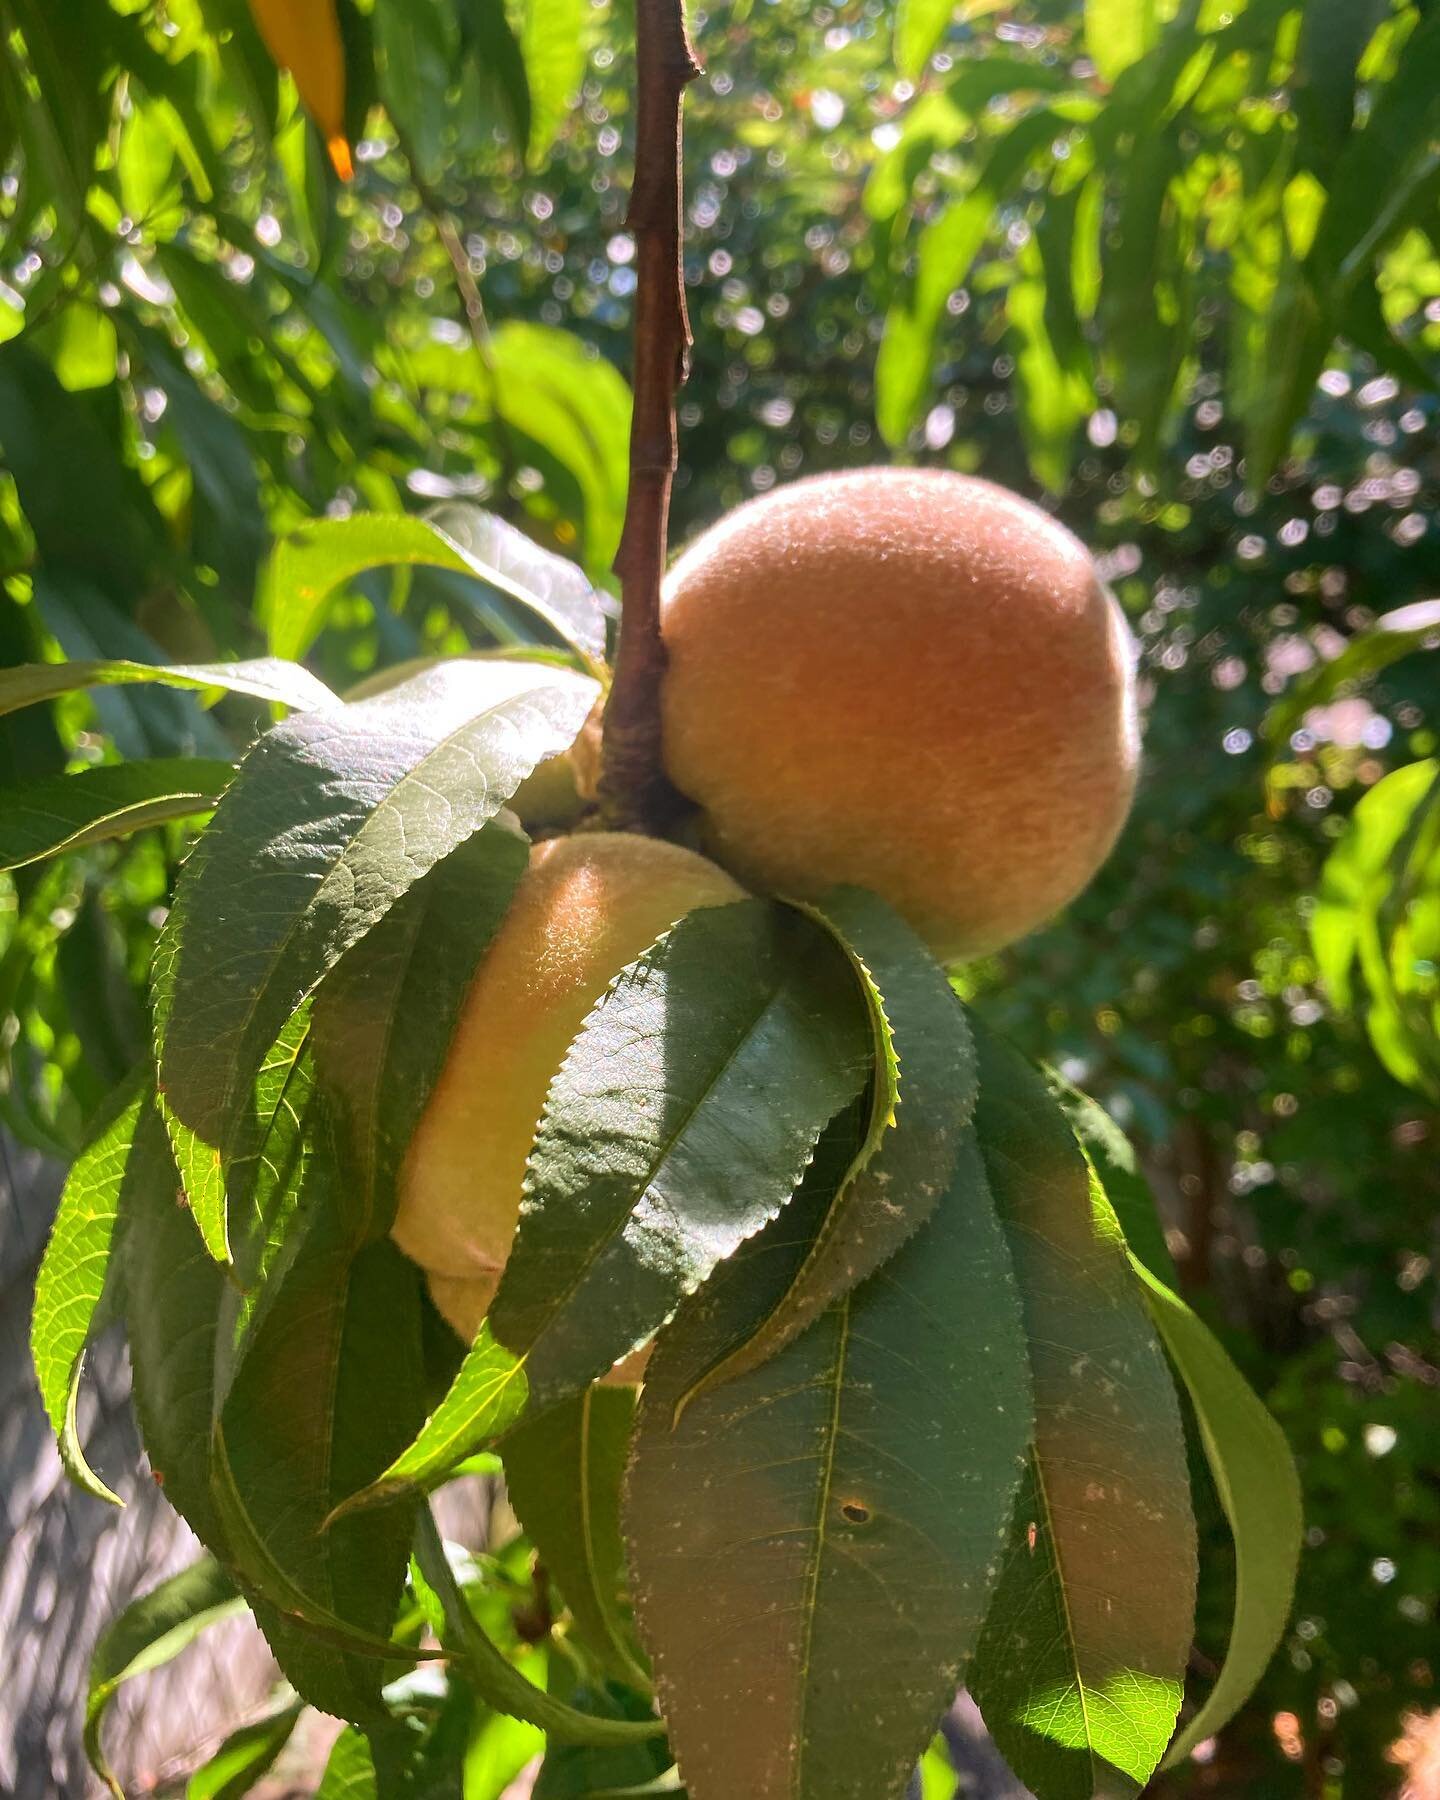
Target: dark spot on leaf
(855, 1511)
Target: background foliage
(1174, 267)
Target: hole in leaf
(855, 1511)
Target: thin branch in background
(634, 793)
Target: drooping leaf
(563, 1470)
(485, 1398)
(679, 1123)
(1113, 1158)
(247, 1754)
(1255, 1477)
(173, 1300)
(923, 1093)
(66, 812)
(497, 1680)
(266, 678)
(151, 1632)
(580, 1771)
(314, 562)
(72, 1276)
(329, 1387)
(1079, 1670)
(841, 1508)
(384, 1016)
(329, 820)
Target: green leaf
(417, 48)
(329, 820)
(66, 812)
(938, 1780)
(311, 564)
(919, 27)
(246, 1755)
(265, 677)
(173, 1300)
(495, 1679)
(576, 406)
(487, 1395)
(1079, 1671)
(680, 1122)
(922, 1096)
(554, 38)
(1394, 636)
(1260, 1492)
(814, 1543)
(1112, 1156)
(945, 254)
(72, 1275)
(488, 35)
(581, 1771)
(563, 1470)
(329, 1387)
(151, 1632)
(1118, 33)
(384, 1016)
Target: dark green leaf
(65, 812)
(1079, 1672)
(495, 1679)
(580, 1771)
(814, 1543)
(329, 1387)
(563, 1470)
(151, 1632)
(679, 1123)
(383, 1018)
(72, 1275)
(173, 1300)
(922, 1096)
(330, 819)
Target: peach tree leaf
(842, 1508)
(72, 1275)
(921, 1099)
(1080, 1668)
(66, 812)
(679, 1124)
(330, 819)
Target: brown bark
(634, 793)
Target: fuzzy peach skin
(908, 680)
(584, 908)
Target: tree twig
(634, 793)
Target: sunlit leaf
(1255, 1477)
(266, 678)
(72, 1275)
(313, 563)
(1080, 1669)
